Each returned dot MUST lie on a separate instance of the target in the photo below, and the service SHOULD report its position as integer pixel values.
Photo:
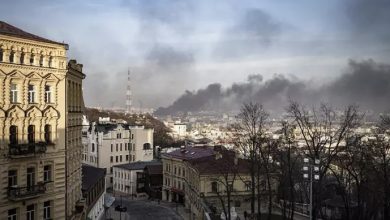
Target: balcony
(22, 193)
(27, 150)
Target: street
(142, 210)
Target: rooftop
(7, 29)
(139, 165)
(188, 153)
(223, 163)
(91, 175)
(154, 169)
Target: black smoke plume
(365, 83)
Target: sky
(174, 48)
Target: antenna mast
(128, 94)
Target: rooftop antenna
(128, 94)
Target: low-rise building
(129, 178)
(94, 190)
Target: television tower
(128, 94)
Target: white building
(108, 144)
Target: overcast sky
(173, 46)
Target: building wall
(125, 181)
(39, 114)
(174, 177)
(95, 199)
(75, 108)
(141, 138)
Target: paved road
(143, 210)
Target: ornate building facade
(40, 141)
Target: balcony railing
(27, 150)
(22, 193)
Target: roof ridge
(10, 30)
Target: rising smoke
(365, 83)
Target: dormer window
(31, 93)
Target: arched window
(1, 55)
(22, 55)
(31, 134)
(93, 147)
(50, 61)
(32, 57)
(146, 146)
(48, 133)
(41, 60)
(11, 57)
(13, 134)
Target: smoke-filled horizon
(172, 46)
(364, 83)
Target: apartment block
(40, 104)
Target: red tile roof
(7, 29)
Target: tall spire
(128, 94)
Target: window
(127, 157)
(51, 61)
(31, 94)
(12, 178)
(111, 179)
(132, 136)
(214, 187)
(31, 134)
(184, 173)
(47, 173)
(121, 146)
(30, 178)
(110, 169)
(12, 214)
(116, 146)
(118, 135)
(111, 159)
(133, 157)
(46, 210)
(13, 135)
(146, 146)
(11, 57)
(30, 214)
(1, 55)
(175, 170)
(41, 60)
(93, 147)
(22, 58)
(32, 59)
(48, 94)
(48, 133)
(125, 146)
(111, 147)
(116, 159)
(120, 158)
(14, 93)
(248, 185)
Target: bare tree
(249, 136)
(323, 132)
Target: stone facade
(34, 127)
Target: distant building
(129, 178)
(179, 130)
(108, 143)
(41, 104)
(94, 190)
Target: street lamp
(311, 169)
